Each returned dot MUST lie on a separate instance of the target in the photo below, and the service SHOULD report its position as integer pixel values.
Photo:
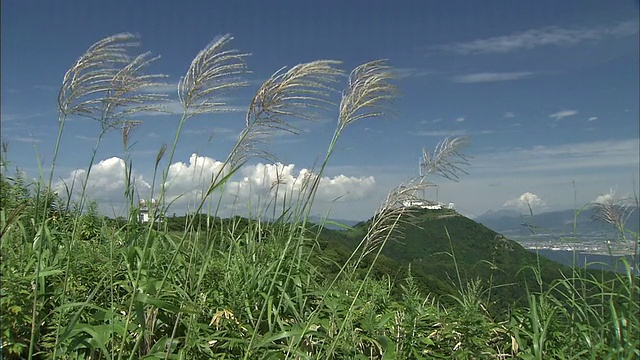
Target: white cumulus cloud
(608, 198)
(593, 118)
(256, 184)
(526, 201)
(185, 179)
(265, 179)
(106, 182)
(612, 198)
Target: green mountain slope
(431, 242)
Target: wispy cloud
(563, 114)
(593, 118)
(403, 73)
(508, 115)
(551, 172)
(492, 77)
(46, 88)
(486, 132)
(169, 88)
(444, 133)
(433, 121)
(546, 36)
(174, 107)
(86, 138)
(440, 133)
(215, 133)
(564, 158)
(24, 139)
(459, 119)
(24, 116)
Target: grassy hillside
(446, 249)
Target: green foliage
(240, 287)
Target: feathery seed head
(107, 84)
(393, 212)
(293, 93)
(127, 127)
(90, 77)
(128, 95)
(368, 91)
(212, 73)
(160, 155)
(612, 209)
(447, 159)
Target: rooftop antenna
(422, 171)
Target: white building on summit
(425, 204)
(144, 210)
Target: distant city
(564, 231)
(593, 242)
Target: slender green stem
(61, 122)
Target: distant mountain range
(506, 221)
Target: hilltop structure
(144, 208)
(426, 204)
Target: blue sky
(547, 92)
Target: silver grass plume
(213, 72)
(446, 160)
(91, 75)
(612, 210)
(293, 93)
(366, 95)
(107, 84)
(392, 212)
(368, 90)
(128, 94)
